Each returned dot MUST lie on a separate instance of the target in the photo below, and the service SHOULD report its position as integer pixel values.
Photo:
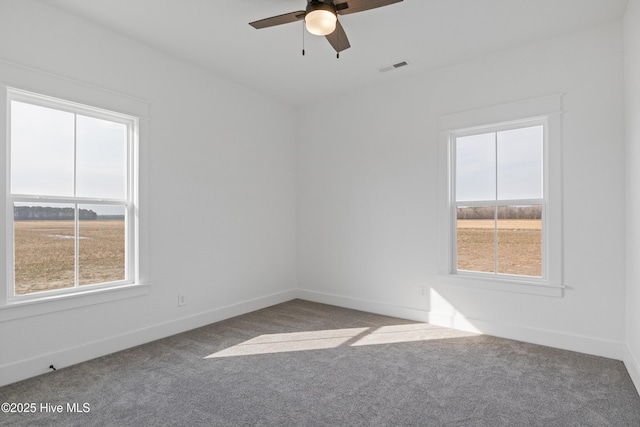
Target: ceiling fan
(321, 18)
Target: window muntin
(72, 192)
(498, 203)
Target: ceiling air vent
(393, 66)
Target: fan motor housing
(318, 5)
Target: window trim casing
(60, 87)
(454, 203)
(544, 110)
(130, 200)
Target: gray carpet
(307, 364)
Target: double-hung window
(498, 200)
(501, 197)
(71, 200)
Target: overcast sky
(506, 165)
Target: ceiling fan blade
(353, 6)
(338, 39)
(278, 20)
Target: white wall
(214, 148)
(632, 81)
(368, 191)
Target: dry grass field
(519, 246)
(44, 254)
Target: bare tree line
(22, 213)
(504, 212)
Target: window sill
(503, 284)
(50, 304)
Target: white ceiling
(429, 34)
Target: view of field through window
(69, 191)
(45, 249)
(499, 199)
(512, 244)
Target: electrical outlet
(423, 291)
(182, 299)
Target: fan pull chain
(303, 28)
(337, 42)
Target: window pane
(44, 247)
(101, 244)
(520, 163)
(520, 240)
(101, 158)
(476, 238)
(476, 167)
(41, 150)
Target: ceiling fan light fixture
(320, 19)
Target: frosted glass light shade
(320, 22)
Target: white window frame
(545, 111)
(19, 79)
(129, 202)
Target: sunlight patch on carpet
(295, 341)
(326, 339)
(409, 333)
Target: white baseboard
(24, 369)
(364, 305)
(633, 367)
(18, 371)
(572, 342)
(581, 344)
